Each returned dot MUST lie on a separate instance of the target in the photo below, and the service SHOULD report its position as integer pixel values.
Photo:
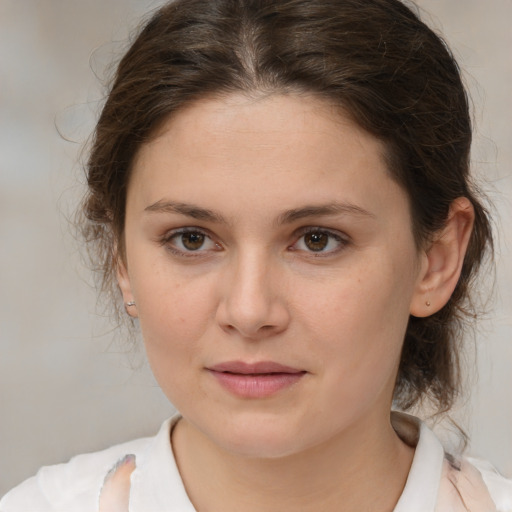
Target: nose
(253, 301)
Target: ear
(123, 280)
(442, 261)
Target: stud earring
(427, 303)
(129, 304)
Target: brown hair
(374, 58)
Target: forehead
(262, 118)
(288, 148)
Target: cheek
(360, 299)
(174, 314)
(357, 323)
(172, 329)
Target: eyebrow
(323, 211)
(189, 210)
(287, 217)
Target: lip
(255, 380)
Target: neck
(364, 469)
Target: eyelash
(341, 240)
(167, 239)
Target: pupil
(193, 241)
(317, 241)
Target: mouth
(255, 380)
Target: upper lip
(259, 367)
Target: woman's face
(273, 266)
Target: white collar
(156, 484)
(422, 487)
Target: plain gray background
(65, 386)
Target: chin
(271, 446)
(264, 437)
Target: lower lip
(256, 385)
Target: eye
(189, 241)
(192, 241)
(318, 240)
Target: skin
(256, 291)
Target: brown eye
(316, 241)
(192, 241)
(320, 242)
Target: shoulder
(71, 487)
(472, 484)
(499, 487)
(440, 482)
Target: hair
(375, 59)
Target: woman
(281, 192)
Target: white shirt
(433, 485)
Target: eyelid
(341, 237)
(169, 235)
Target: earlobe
(123, 280)
(443, 260)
